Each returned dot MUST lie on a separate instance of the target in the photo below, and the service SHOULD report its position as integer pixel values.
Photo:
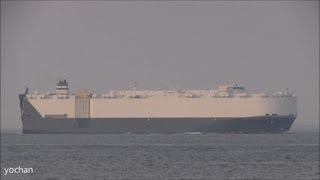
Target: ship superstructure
(228, 109)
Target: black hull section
(161, 125)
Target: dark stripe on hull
(160, 125)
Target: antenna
(135, 84)
(232, 82)
(59, 78)
(26, 92)
(172, 87)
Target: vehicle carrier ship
(227, 109)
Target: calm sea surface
(160, 156)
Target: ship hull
(159, 125)
(33, 122)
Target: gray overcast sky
(266, 45)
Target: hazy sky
(265, 45)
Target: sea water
(161, 156)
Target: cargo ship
(228, 109)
